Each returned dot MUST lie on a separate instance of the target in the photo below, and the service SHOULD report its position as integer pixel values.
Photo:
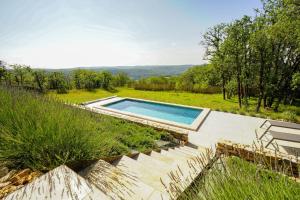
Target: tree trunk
(277, 104)
(223, 87)
(39, 83)
(238, 78)
(260, 85)
(258, 103)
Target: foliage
(231, 88)
(296, 82)
(57, 81)
(196, 79)
(199, 79)
(290, 115)
(25, 77)
(155, 83)
(234, 178)
(261, 54)
(213, 101)
(42, 133)
(2, 70)
(121, 79)
(40, 79)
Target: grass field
(213, 101)
(234, 178)
(40, 133)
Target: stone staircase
(158, 175)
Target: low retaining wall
(276, 160)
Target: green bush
(41, 133)
(231, 88)
(289, 116)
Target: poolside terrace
(215, 126)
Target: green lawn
(213, 101)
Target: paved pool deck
(227, 126)
(216, 125)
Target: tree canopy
(258, 56)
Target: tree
(213, 39)
(57, 81)
(120, 79)
(260, 46)
(106, 78)
(21, 74)
(40, 77)
(2, 70)
(78, 78)
(90, 80)
(263, 53)
(235, 46)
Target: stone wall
(13, 180)
(272, 159)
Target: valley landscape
(226, 128)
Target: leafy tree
(260, 46)
(22, 73)
(262, 53)
(2, 70)
(90, 80)
(106, 80)
(120, 79)
(57, 81)
(213, 40)
(40, 77)
(78, 78)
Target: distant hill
(136, 72)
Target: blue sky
(61, 33)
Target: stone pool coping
(97, 106)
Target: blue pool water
(179, 114)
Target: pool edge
(165, 123)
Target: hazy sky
(72, 33)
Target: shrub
(231, 88)
(241, 112)
(41, 133)
(289, 116)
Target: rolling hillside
(136, 72)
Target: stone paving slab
(60, 183)
(227, 126)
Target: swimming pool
(178, 114)
(168, 116)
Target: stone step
(166, 159)
(150, 161)
(187, 152)
(116, 183)
(179, 153)
(186, 171)
(60, 183)
(185, 160)
(141, 171)
(191, 149)
(173, 155)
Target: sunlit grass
(42, 133)
(213, 101)
(233, 178)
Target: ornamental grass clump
(42, 133)
(234, 178)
